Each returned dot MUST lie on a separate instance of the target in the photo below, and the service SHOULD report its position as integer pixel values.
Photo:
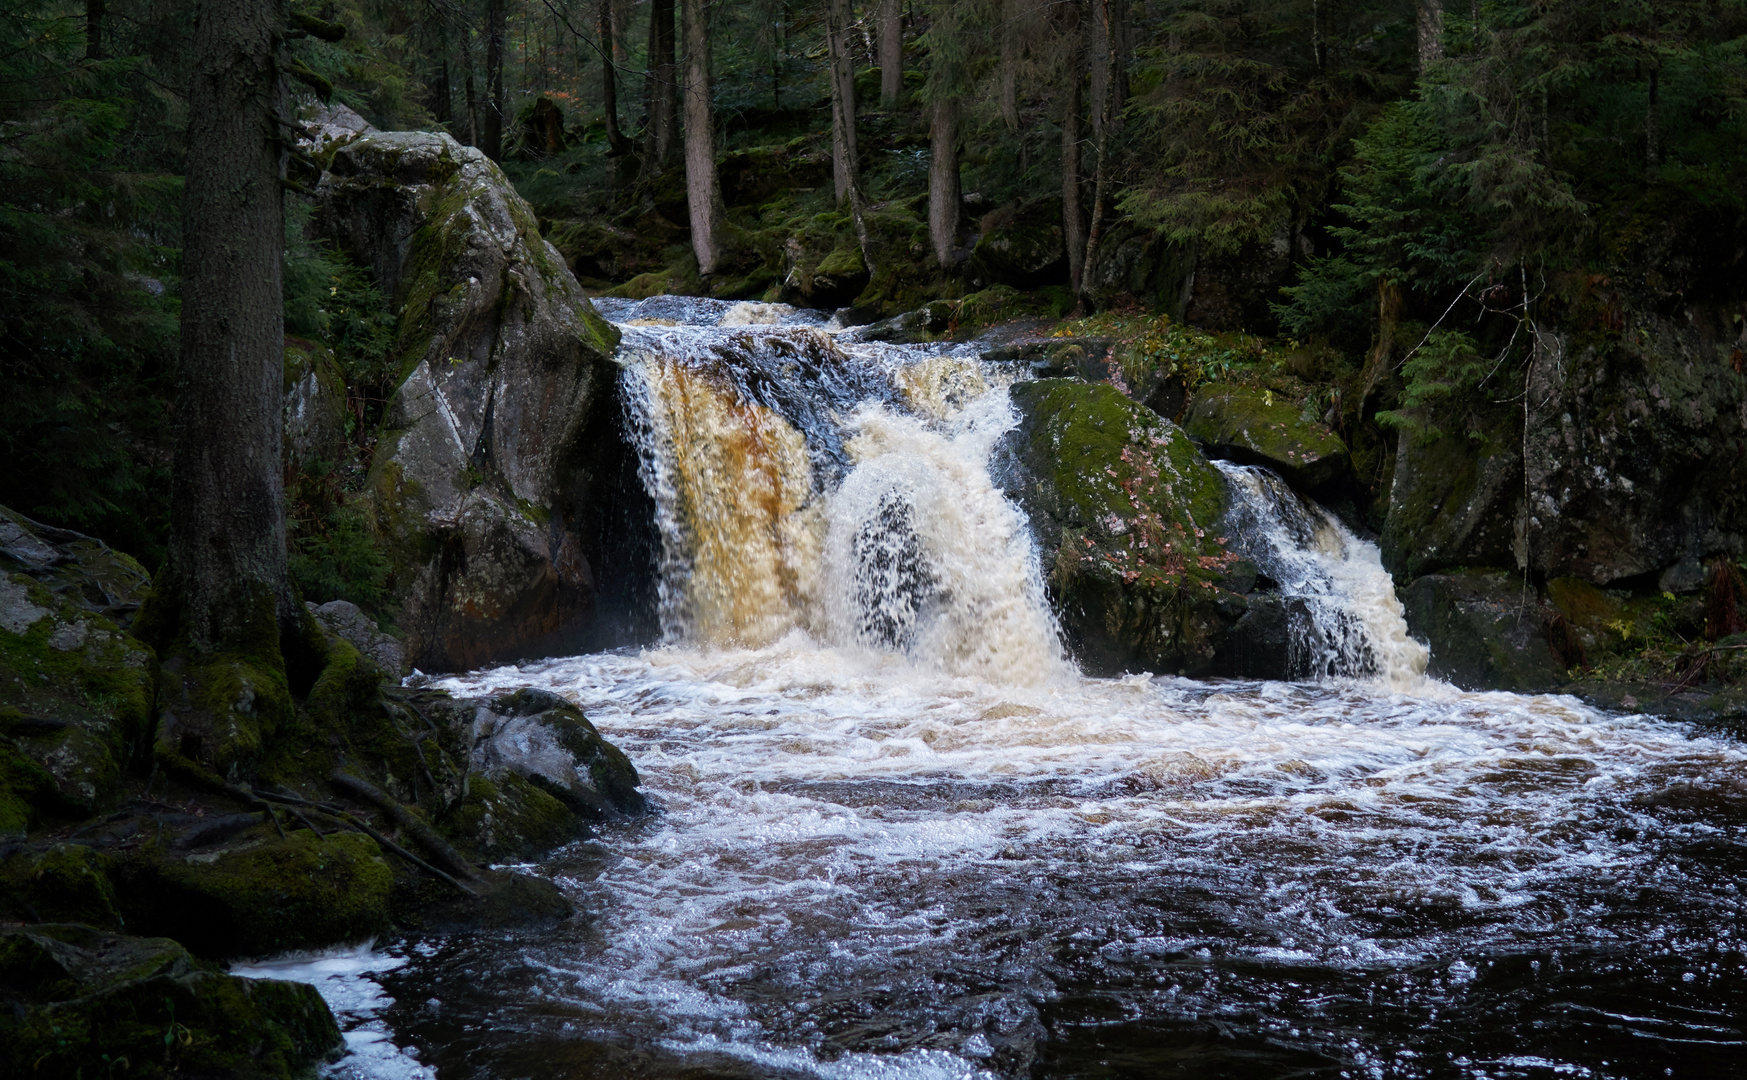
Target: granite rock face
(486, 485)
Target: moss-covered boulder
(1122, 503)
(482, 482)
(541, 737)
(1486, 630)
(255, 892)
(75, 691)
(1453, 501)
(1254, 427)
(63, 883)
(78, 1002)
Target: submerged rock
(75, 1001)
(1252, 427)
(1121, 501)
(488, 480)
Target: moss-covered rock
(315, 406)
(1453, 501)
(258, 893)
(1254, 427)
(1486, 630)
(1121, 502)
(78, 1002)
(75, 691)
(64, 883)
(543, 738)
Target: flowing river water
(900, 835)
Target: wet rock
(543, 738)
(827, 282)
(1486, 632)
(926, 323)
(1021, 245)
(1453, 501)
(1253, 427)
(253, 892)
(484, 485)
(76, 1002)
(1117, 497)
(75, 690)
(343, 619)
(315, 407)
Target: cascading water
(1346, 619)
(901, 836)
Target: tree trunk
(438, 94)
(1652, 133)
(1073, 217)
(617, 144)
(1429, 25)
(843, 151)
(94, 29)
(659, 90)
(470, 78)
(1103, 107)
(891, 51)
(702, 190)
(224, 602)
(1097, 54)
(1009, 74)
(491, 128)
(943, 185)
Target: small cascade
(1345, 619)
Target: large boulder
(500, 446)
(1123, 507)
(1254, 427)
(315, 407)
(1637, 445)
(1453, 501)
(1021, 245)
(75, 690)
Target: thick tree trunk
(891, 51)
(660, 87)
(608, 32)
(227, 530)
(491, 128)
(843, 151)
(1011, 12)
(94, 10)
(943, 184)
(703, 191)
(1097, 56)
(1073, 216)
(1429, 28)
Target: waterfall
(806, 482)
(1344, 619)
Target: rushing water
(901, 836)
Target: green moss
(510, 819)
(261, 894)
(24, 784)
(67, 883)
(1257, 426)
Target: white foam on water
(343, 978)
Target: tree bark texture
(843, 151)
(1097, 55)
(1652, 132)
(1429, 26)
(702, 189)
(608, 32)
(1103, 109)
(227, 535)
(943, 183)
(492, 125)
(660, 87)
(891, 51)
(470, 79)
(1008, 86)
(1073, 216)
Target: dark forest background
(1406, 156)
